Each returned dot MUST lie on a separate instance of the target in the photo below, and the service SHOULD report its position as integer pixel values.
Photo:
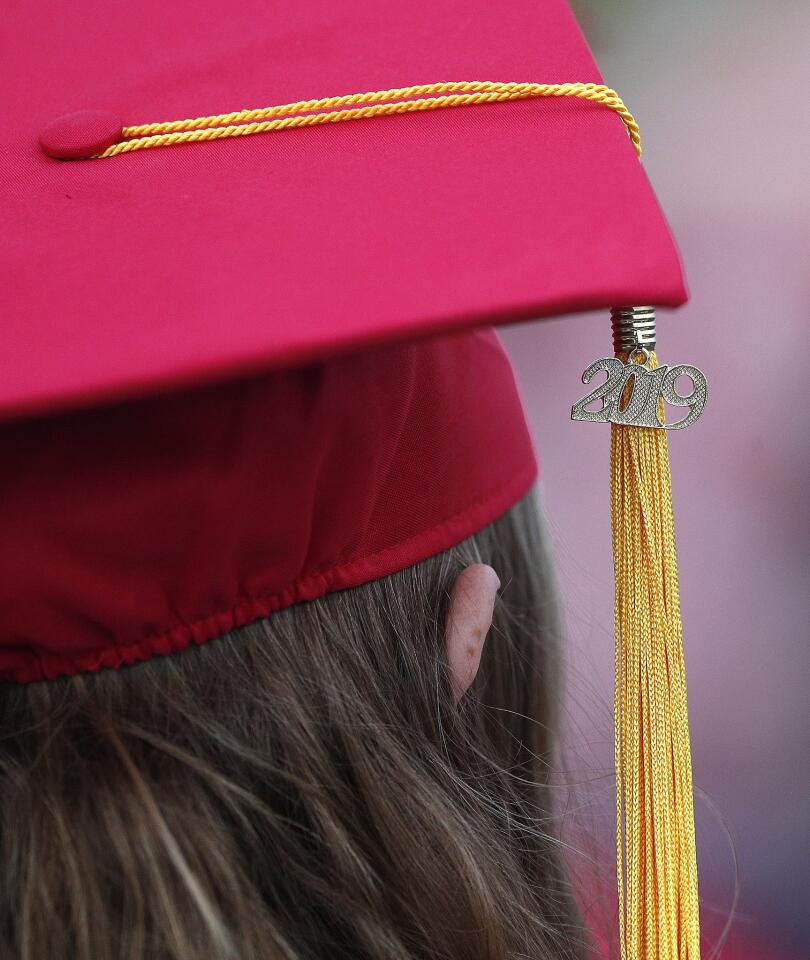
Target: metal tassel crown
(633, 327)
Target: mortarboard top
(217, 385)
(202, 261)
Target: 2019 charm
(632, 393)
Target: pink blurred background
(721, 91)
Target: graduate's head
(278, 665)
(290, 676)
(330, 781)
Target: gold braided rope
(361, 106)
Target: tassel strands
(656, 858)
(655, 824)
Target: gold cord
(361, 106)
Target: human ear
(469, 617)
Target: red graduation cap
(240, 371)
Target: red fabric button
(80, 135)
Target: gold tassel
(655, 843)
(655, 824)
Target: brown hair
(301, 788)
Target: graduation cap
(248, 358)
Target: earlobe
(469, 617)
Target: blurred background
(720, 90)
